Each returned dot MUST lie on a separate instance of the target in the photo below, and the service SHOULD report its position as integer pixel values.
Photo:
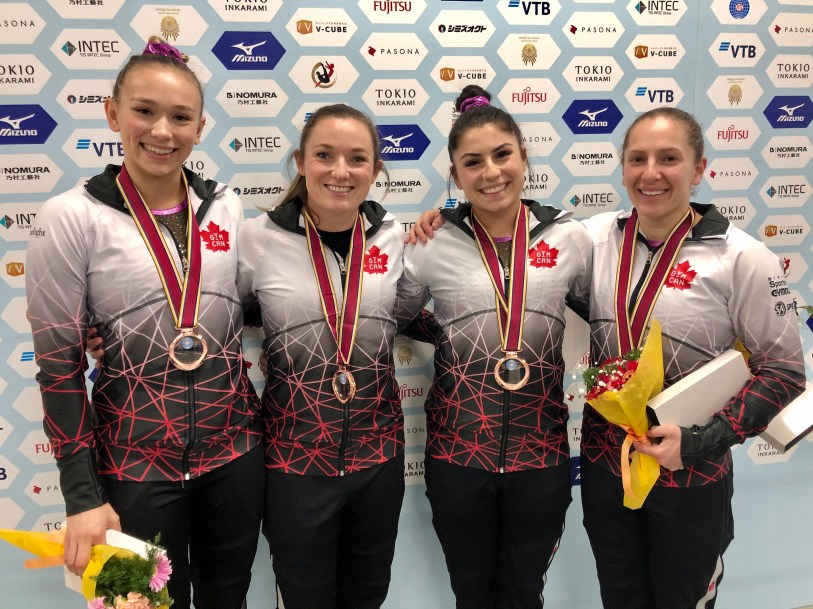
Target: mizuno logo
(247, 49)
(396, 141)
(788, 111)
(591, 116)
(15, 123)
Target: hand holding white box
(695, 398)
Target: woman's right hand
(424, 229)
(85, 530)
(94, 344)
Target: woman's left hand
(667, 450)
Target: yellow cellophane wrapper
(50, 547)
(626, 408)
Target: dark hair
(479, 116)
(694, 132)
(151, 58)
(298, 188)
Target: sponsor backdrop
(574, 73)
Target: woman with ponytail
(500, 271)
(324, 265)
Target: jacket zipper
(192, 419)
(346, 411)
(506, 394)
(641, 279)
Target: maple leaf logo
(376, 261)
(543, 256)
(681, 277)
(215, 238)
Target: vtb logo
(771, 230)
(15, 269)
(447, 74)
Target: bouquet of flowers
(115, 577)
(618, 390)
(133, 581)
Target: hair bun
(472, 96)
(159, 46)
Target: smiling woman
(324, 265)
(501, 272)
(158, 113)
(708, 284)
(169, 442)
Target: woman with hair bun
(146, 253)
(708, 284)
(500, 271)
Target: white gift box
(114, 538)
(793, 423)
(695, 398)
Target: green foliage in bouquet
(146, 576)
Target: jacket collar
(711, 224)
(288, 216)
(460, 216)
(103, 187)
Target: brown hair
(149, 58)
(479, 116)
(297, 189)
(694, 132)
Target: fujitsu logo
(387, 6)
(732, 133)
(527, 96)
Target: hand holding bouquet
(619, 390)
(115, 577)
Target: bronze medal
(511, 371)
(344, 385)
(188, 350)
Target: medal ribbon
(630, 327)
(183, 295)
(344, 329)
(511, 314)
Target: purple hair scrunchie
(162, 48)
(473, 102)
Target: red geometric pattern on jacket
(305, 433)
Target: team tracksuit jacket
(87, 265)
(307, 430)
(471, 420)
(725, 285)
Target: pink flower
(163, 569)
(97, 603)
(134, 600)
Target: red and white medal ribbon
(511, 371)
(188, 350)
(343, 327)
(631, 325)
